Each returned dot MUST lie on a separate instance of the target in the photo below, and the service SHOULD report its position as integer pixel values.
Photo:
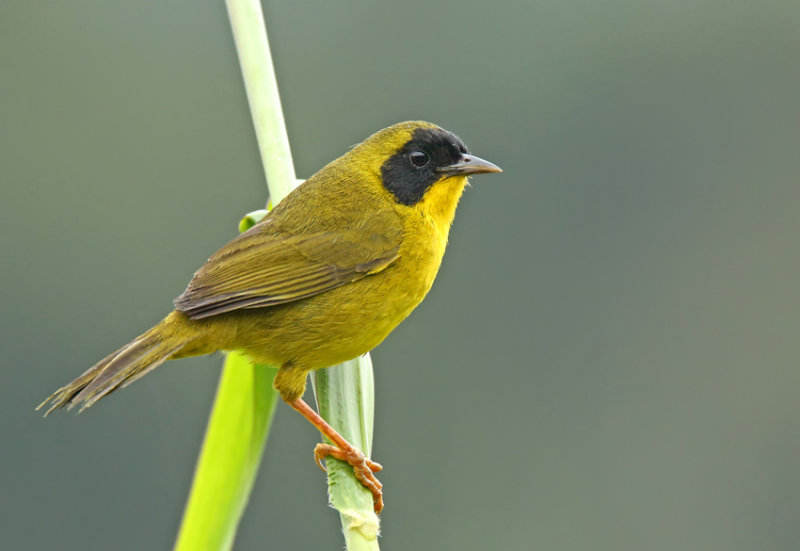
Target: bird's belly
(345, 322)
(329, 328)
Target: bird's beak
(470, 164)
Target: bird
(323, 278)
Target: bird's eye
(419, 158)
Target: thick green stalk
(245, 401)
(250, 34)
(231, 454)
(337, 389)
(346, 399)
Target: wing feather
(265, 267)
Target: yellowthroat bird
(322, 279)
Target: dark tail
(120, 368)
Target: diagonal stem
(245, 401)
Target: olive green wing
(265, 267)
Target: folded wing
(263, 268)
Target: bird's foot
(363, 467)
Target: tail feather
(133, 361)
(63, 396)
(118, 369)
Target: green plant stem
(250, 34)
(245, 401)
(346, 399)
(231, 454)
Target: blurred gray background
(608, 359)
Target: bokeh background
(608, 359)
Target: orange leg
(363, 467)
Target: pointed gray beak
(470, 164)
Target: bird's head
(421, 165)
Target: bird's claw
(363, 468)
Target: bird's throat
(440, 201)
